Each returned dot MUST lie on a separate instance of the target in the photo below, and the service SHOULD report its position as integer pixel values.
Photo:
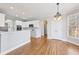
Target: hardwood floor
(43, 46)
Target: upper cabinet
(35, 23)
(2, 20)
(73, 25)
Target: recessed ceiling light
(16, 15)
(23, 13)
(11, 8)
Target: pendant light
(58, 14)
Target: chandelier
(58, 14)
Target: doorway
(45, 28)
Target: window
(73, 25)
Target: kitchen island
(12, 40)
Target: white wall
(42, 27)
(2, 20)
(56, 29)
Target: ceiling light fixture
(58, 14)
(11, 8)
(23, 13)
(16, 15)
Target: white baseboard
(69, 41)
(73, 42)
(3, 53)
(58, 39)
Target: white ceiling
(36, 10)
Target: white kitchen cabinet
(13, 40)
(2, 20)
